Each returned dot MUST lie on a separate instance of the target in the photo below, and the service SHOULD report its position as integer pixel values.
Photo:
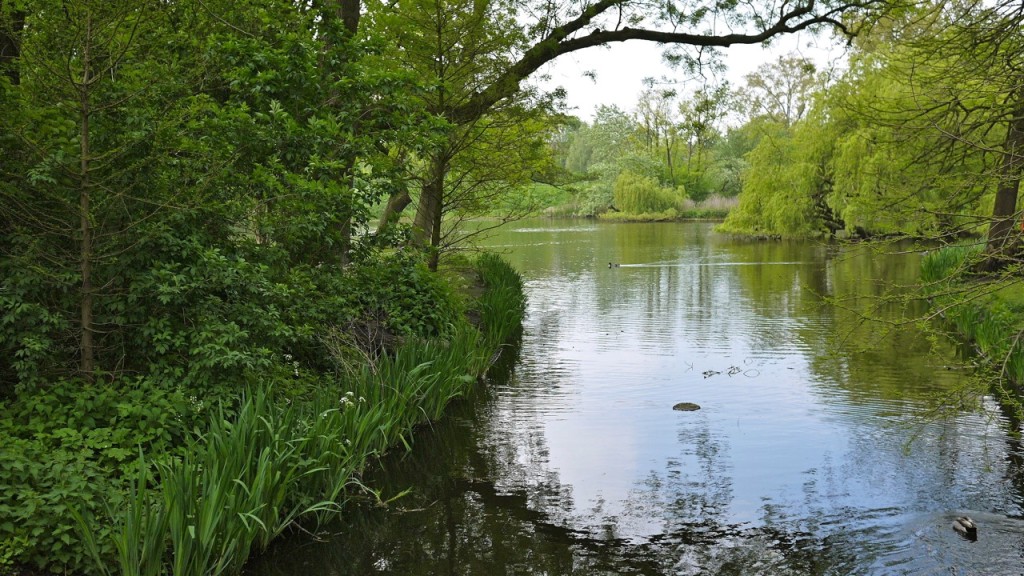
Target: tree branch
(560, 42)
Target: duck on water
(966, 527)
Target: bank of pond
(134, 478)
(130, 477)
(986, 311)
(823, 444)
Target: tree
(700, 115)
(781, 90)
(919, 137)
(993, 48)
(941, 108)
(83, 62)
(161, 187)
(453, 47)
(12, 24)
(661, 127)
(554, 30)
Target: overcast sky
(620, 69)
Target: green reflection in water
(810, 454)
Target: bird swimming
(610, 265)
(966, 527)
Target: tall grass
(949, 262)
(237, 486)
(986, 313)
(503, 303)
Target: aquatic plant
(277, 459)
(948, 262)
(503, 303)
(986, 312)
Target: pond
(824, 444)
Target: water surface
(818, 449)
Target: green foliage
(412, 300)
(71, 445)
(637, 194)
(911, 140)
(987, 312)
(784, 183)
(223, 193)
(675, 143)
(220, 476)
(221, 175)
(503, 303)
(267, 464)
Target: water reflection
(813, 453)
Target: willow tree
(785, 186)
(986, 71)
(937, 128)
(920, 136)
(536, 33)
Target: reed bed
(949, 262)
(275, 463)
(503, 303)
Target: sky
(621, 69)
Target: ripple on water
(818, 448)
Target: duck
(965, 527)
(610, 265)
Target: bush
(140, 476)
(74, 445)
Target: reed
(668, 215)
(140, 531)
(986, 314)
(949, 262)
(503, 303)
(268, 464)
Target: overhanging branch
(560, 42)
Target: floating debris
(686, 407)
(734, 370)
(710, 373)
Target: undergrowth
(134, 477)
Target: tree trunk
(397, 203)
(347, 12)
(668, 162)
(435, 231)
(1003, 238)
(427, 225)
(87, 361)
